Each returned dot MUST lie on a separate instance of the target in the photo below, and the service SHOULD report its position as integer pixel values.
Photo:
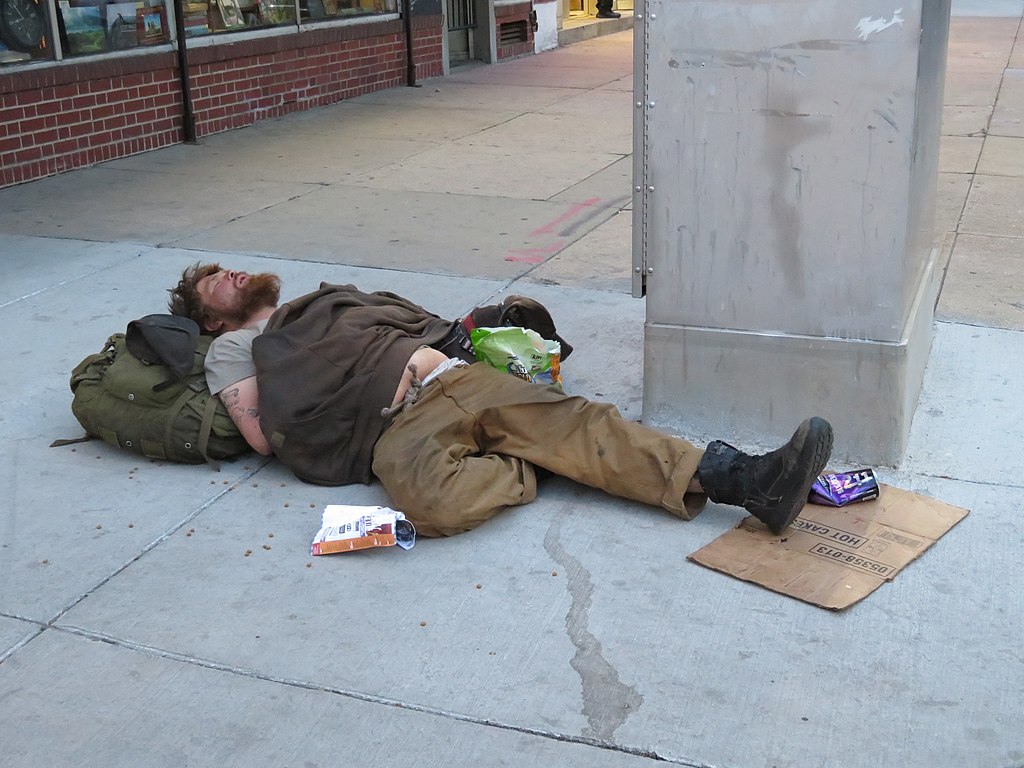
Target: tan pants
(467, 447)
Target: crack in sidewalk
(607, 701)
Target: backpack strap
(70, 441)
(206, 427)
(204, 432)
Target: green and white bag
(519, 351)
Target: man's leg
(464, 451)
(773, 487)
(431, 465)
(581, 439)
(590, 443)
(440, 455)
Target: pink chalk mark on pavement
(573, 211)
(538, 254)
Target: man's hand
(242, 402)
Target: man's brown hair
(185, 299)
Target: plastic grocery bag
(519, 351)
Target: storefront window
(24, 31)
(321, 9)
(94, 26)
(204, 18)
(91, 27)
(274, 12)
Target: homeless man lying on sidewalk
(343, 385)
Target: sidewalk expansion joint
(40, 627)
(984, 326)
(314, 186)
(369, 698)
(160, 539)
(62, 283)
(983, 483)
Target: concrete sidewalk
(165, 615)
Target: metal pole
(410, 67)
(187, 115)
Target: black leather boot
(774, 487)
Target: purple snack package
(837, 489)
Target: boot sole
(815, 452)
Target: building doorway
(461, 26)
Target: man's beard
(259, 292)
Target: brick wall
(58, 117)
(518, 14)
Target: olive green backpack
(145, 408)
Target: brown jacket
(328, 364)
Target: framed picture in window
(277, 11)
(85, 30)
(231, 13)
(121, 25)
(151, 25)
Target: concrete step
(580, 28)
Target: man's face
(231, 297)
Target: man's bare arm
(242, 402)
(423, 361)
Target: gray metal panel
(931, 80)
(780, 147)
(640, 142)
(753, 389)
(785, 196)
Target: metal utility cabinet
(785, 163)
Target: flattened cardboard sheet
(833, 557)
